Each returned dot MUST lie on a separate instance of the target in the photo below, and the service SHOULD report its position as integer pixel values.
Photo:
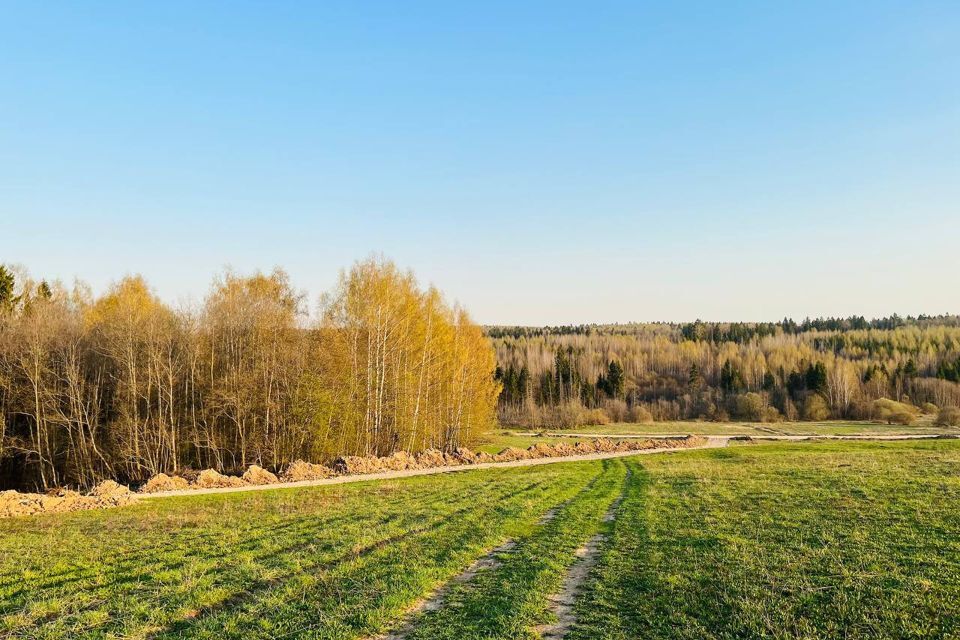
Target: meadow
(758, 429)
(785, 540)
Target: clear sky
(541, 163)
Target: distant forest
(889, 369)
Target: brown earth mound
(582, 448)
(564, 449)
(464, 455)
(398, 462)
(541, 450)
(112, 494)
(258, 475)
(512, 453)
(299, 471)
(107, 494)
(482, 457)
(163, 482)
(356, 464)
(211, 479)
(431, 458)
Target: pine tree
(615, 380)
(694, 380)
(7, 283)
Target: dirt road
(712, 442)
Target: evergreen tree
(7, 283)
(694, 380)
(731, 380)
(769, 382)
(817, 378)
(44, 291)
(615, 379)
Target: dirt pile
(105, 495)
(399, 461)
(212, 479)
(163, 482)
(111, 494)
(431, 458)
(541, 450)
(349, 465)
(511, 454)
(300, 471)
(258, 475)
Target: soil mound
(512, 453)
(163, 482)
(464, 455)
(258, 475)
(14, 503)
(564, 449)
(212, 479)
(299, 471)
(582, 448)
(398, 462)
(356, 464)
(111, 494)
(541, 450)
(106, 494)
(431, 458)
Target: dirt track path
(562, 603)
(712, 443)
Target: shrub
(770, 414)
(594, 417)
(639, 413)
(893, 412)
(748, 406)
(948, 417)
(615, 410)
(815, 408)
(928, 408)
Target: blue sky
(540, 162)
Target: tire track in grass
(604, 609)
(327, 535)
(490, 561)
(400, 533)
(562, 603)
(363, 593)
(128, 615)
(509, 601)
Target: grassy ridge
(785, 541)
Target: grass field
(859, 540)
(833, 427)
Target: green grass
(833, 427)
(507, 602)
(811, 540)
(324, 562)
(796, 540)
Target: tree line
(124, 386)
(816, 369)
